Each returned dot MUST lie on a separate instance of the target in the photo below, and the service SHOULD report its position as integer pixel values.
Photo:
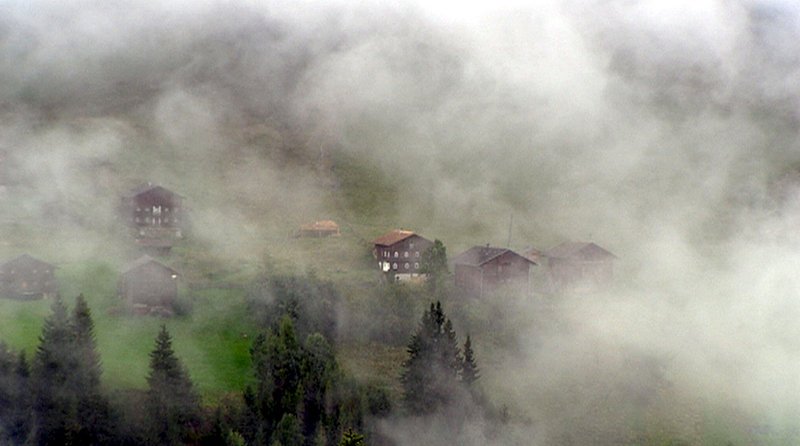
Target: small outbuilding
(399, 254)
(318, 229)
(580, 266)
(483, 270)
(149, 284)
(25, 277)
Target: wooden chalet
(26, 278)
(156, 215)
(483, 270)
(399, 254)
(148, 286)
(580, 266)
(323, 228)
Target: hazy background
(664, 131)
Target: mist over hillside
(665, 132)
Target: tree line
(299, 395)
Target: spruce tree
(430, 374)
(469, 367)
(54, 404)
(352, 438)
(171, 400)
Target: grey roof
(144, 187)
(572, 249)
(479, 255)
(144, 260)
(26, 259)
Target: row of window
(163, 220)
(387, 254)
(405, 265)
(156, 209)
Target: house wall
(30, 281)
(404, 257)
(580, 274)
(505, 270)
(154, 208)
(149, 284)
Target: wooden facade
(149, 283)
(580, 267)
(399, 254)
(152, 207)
(25, 277)
(483, 270)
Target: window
(396, 254)
(394, 266)
(416, 254)
(406, 265)
(416, 265)
(411, 245)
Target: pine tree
(352, 438)
(172, 403)
(469, 367)
(54, 405)
(430, 374)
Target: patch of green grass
(377, 363)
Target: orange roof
(323, 225)
(393, 237)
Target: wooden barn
(324, 228)
(483, 270)
(155, 212)
(25, 277)
(147, 285)
(399, 254)
(580, 266)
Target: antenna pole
(510, 225)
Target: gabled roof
(389, 239)
(144, 260)
(323, 225)
(25, 259)
(568, 250)
(145, 187)
(480, 255)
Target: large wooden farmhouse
(25, 277)
(483, 270)
(579, 266)
(147, 284)
(156, 215)
(399, 254)
(152, 206)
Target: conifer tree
(94, 420)
(54, 405)
(172, 403)
(430, 374)
(352, 438)
(469, 367)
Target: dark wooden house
(147, 285)
(483, 270)
(579, 266)
(25, 277)
(324, 228)
(399, 254)
(153, 210)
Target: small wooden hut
(148, 284)
(483, 270)
(318, 229)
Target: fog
(663, 131)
